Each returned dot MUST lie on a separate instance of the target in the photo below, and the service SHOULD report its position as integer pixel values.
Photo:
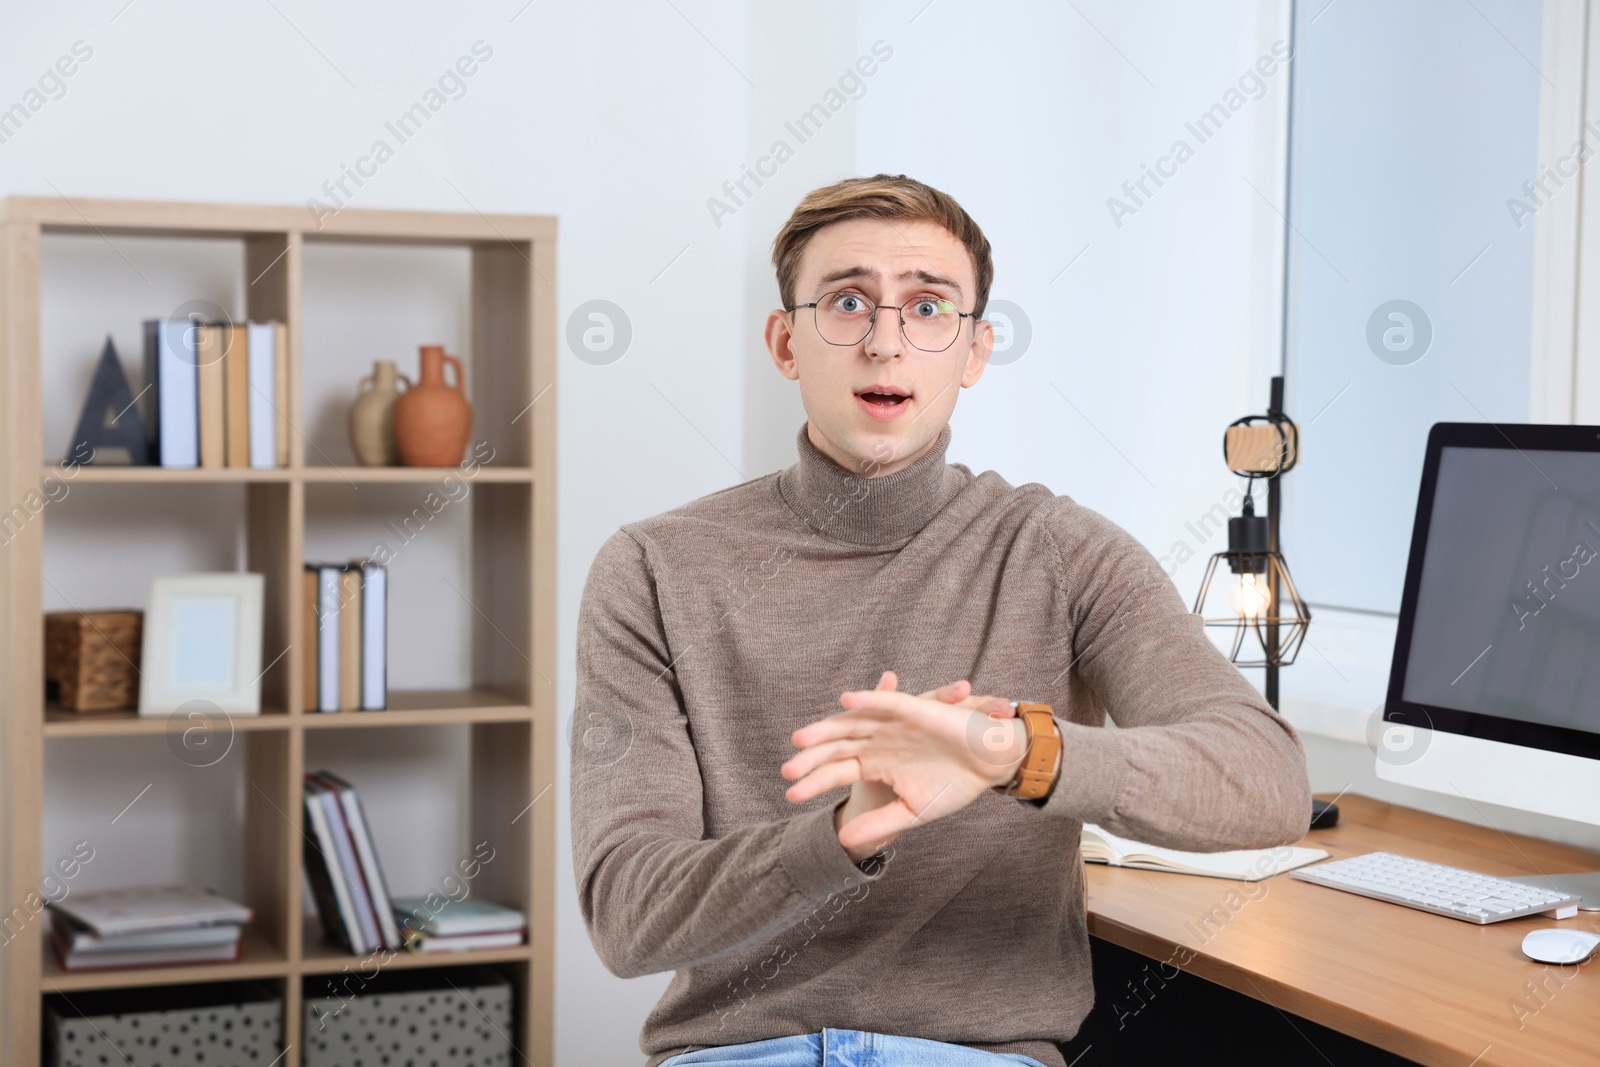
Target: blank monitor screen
(1505, 617)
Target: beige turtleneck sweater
(709, 633)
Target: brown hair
(882, 196)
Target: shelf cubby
(320, 958)
(427, 707)
(483, 680)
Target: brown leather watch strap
(1041, 763)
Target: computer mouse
(1560, 946)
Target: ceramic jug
(372, 415)
(433, 419)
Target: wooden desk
(1435, 990)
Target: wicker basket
(91, 659)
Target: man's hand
(935, 755)
(867, 795)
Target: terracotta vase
(372, 415)
(432, 420)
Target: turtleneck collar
(868, 511)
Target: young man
(927, 915)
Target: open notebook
(1246, 865)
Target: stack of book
(346, 608)
(217, 394)
(458, 925)
(342, 866)
(164, 926)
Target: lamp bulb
(1252, 595)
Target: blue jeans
(846, 1048)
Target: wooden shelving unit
(307, 475)
(509, 709)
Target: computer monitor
(1494, 694)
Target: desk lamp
(1258, 600)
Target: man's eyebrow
(923, 276)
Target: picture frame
(202, 641)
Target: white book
(88, 943)
(377, 888)
(328, 637)
(374, 637)
(74, 960)
(465, 942)
(172, 377)
(263, 385)
(1244, 865)
(328, 847)
(124, 911)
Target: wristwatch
(1041, 763)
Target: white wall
(1148, 337)
(620, 119)
(623, 120)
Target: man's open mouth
(886, 401)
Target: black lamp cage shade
(1251, 631)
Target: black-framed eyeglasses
(929, 323)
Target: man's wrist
(1028, 751)
(860, 853)
(1016, 749)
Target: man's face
(889, 263)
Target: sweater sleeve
(655, 892)
(1199, 760)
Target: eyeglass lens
(930, 323)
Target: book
(208, 353)
(349, 867)
(1245, 865)
(263, 374)
(236, 393)
(81, 939)
(280, 396)
(328, 637)
(349, 638)
(425, 943)
(330, 890)
(308, 622)
(458, 918)
(144, 908)
(172, 385)
(79, 960)
(355, 817)
(346, 604)
(374, 636)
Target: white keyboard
(1451, 891)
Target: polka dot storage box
(223, 1024)
(435, 1017)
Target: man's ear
(780, 343)
(978, 353)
